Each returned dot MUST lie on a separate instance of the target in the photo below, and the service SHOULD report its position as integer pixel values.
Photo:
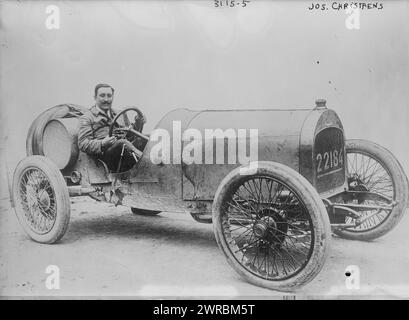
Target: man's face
(104, 97)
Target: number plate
(329, 153)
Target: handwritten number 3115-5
(230, 3)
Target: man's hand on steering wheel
(120, 132)
(108, 141)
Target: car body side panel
(201, 181)
(278, 140)
(162, 182)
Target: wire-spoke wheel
(372, 168)
(41, 199)
(272, 226)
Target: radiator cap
(321, 104)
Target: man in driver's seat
(93, 136)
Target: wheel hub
(263, 226)
(271, 227)
(355, 183)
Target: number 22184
(330, 160)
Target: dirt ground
(109, 252)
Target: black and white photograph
(204, 150)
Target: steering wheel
(128, 124)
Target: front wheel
(272, 226)
(372, 168)
(41, 199)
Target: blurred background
(161, 55)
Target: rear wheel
(41, 199)
(272, 226)
(373, 168)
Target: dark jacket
(94, 126)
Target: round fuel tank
(60, 142)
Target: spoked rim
(365, 173)
(38, 200)
(267, 228)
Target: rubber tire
(62, 198)
(318, 214)
(145, 212)
(400, 182)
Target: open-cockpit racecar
(274, 183)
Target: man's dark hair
(102, 85)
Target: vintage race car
(274, 186)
